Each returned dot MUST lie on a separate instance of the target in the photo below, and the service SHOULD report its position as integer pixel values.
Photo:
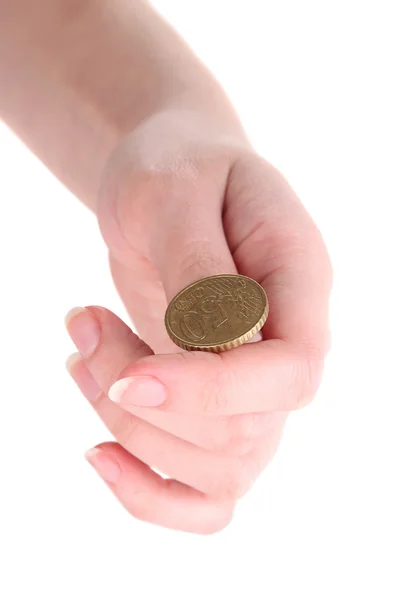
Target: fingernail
(104, 464)
(72, 360)
(138, 391)
(83, 378)
(84, 329)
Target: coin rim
(229, 344)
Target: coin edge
(226, 345)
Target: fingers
(223, 478)
(274, 241)
(113, 348)
(106, 343)
(260, 377)
(233, 435)
(149, 497)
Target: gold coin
(217, 313)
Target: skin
(179, 194)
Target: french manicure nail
(138, 391)
(83, 378)
(73, 360)
(104, 464)
(84, 329)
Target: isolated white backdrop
(315, 84)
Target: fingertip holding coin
(217, 313)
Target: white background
(315, 84)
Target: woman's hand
(184, 196)
(182, 200)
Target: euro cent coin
(217, 313)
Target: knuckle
(217, 437)
(126, 430)
(327, 264)
(245, 427)
(239, 481)
(216, 524)
(198, 252)
(241, 432)
(146, 507)
(142, 506)
(217, 519)
(215, 393)
(323, 254)
(235, 482)
(307, 375)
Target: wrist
(75, 83)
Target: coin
(216, 313)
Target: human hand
(181, 201)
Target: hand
(182, 200)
